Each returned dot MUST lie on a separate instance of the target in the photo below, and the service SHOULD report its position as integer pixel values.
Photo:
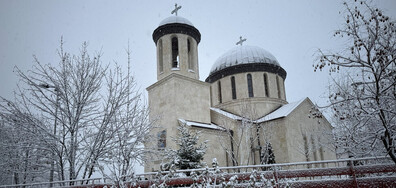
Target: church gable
(281, 112)
(309, 138)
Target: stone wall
(308, 135)
(217, 140)
(172, 98)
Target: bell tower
(177, 47)
(178, 92)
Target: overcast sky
(291, 30)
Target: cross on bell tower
(177, 8)
(241, 40)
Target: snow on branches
(363, 97)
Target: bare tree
(267, 155)
(243, 133)
(86, 108)
(354, 136)
(24, 155)
(133, 128)
(119, 162)
(366, 97)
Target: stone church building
(240, 108)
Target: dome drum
(250, 67)
(173, 28)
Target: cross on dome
(240, 41)
(177, 8)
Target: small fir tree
(189, 154)
(268, 156)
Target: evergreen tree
(189, 154)
(268, 156)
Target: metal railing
(301, 174)
(65, 183)
(352, 171)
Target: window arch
(219, 91)
(266, 85)
(189, 51)
(250, 85)
(161, 139)
(160, 56)
(314, 148)
(306, 149)
(321, 152)
(175, 53)
(278, 86)
(233, 89)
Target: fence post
(353, 173)
(275, 177)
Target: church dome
(243, 55)
(175, 25)
(175, 19)
(245, 59)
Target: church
(240, 108)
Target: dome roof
(243, 55)
(175, 19)
(242, 59)
(176, 24)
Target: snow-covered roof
(201, 125)
(175, 19)
(283, 111)
(227, 114)
(243, 55)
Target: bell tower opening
(190, 57)
(160, 57)
(175, 53)
(278, 87)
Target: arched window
(282, 84)
(175, 53)
(278, 86)
(321, 152)
(161, 138)
(190, 62)
(219, 91)
(314, 148)
(306, 149)
(160, 56)
(233, 89)
(266, 85)
(250, 85)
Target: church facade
(240, 108)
